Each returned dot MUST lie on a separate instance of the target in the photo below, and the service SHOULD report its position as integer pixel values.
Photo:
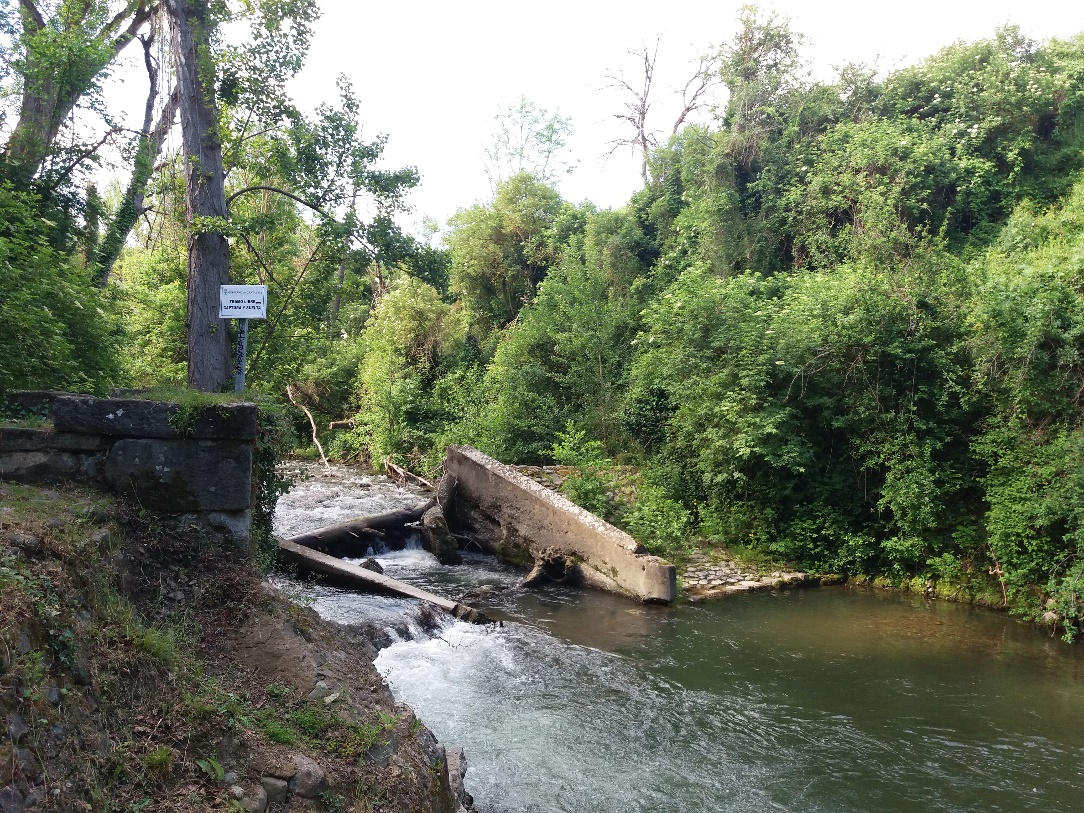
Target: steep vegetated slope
(141, 671)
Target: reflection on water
(830, 700)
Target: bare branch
(293, 400)
(639, 106)
(142, 14)
(700, 82)
(290, 195)
(259, 259)
(82, 156)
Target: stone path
(705, 576)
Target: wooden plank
(370, 581)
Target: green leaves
(56, 329)
(503, 251)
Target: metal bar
(240, 359)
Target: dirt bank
(144, 671)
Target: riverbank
(143, 670)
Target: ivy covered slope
(142, 671)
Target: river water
(831, 699)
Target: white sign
(242, 302)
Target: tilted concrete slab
(532, 515)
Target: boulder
(276, 789)
(373, 565)
(440, 540)
(310, 780)
(17, 728)
(11, 801)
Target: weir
(520, 520)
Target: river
(832, 700)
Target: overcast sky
(431, 75)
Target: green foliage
(1066, 596)
(661, 524)
(572, 448)
(57, 331)
(274, 440)
(151, 289)
(502, 252)
(211, 768)
(408, 337)
(587, 487)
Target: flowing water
(832, 699)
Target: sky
(432, 75)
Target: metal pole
(242, 352)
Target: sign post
(242, 302)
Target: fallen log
(353, 537)
(401, 475)
(306, 559)
(341, 425)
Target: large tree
(501, 252)
(191, 25)
(528, 138)
(60, 50)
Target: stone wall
(526, 518)
(192, 471)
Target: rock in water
(373, 565)
(441, 542)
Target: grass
(160, 645)
(159, 761)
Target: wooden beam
(307, 559)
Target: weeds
(211, 768)
(160, 645)
(159, 762)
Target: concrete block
(531, 515)
(182, 476)
(31, 440)
(134, 418)
(45, 466)
(32, 401)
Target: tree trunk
(151, 139)
(205, 197)
(55, 78)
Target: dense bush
(57, 330)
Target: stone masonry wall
(200, 477)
